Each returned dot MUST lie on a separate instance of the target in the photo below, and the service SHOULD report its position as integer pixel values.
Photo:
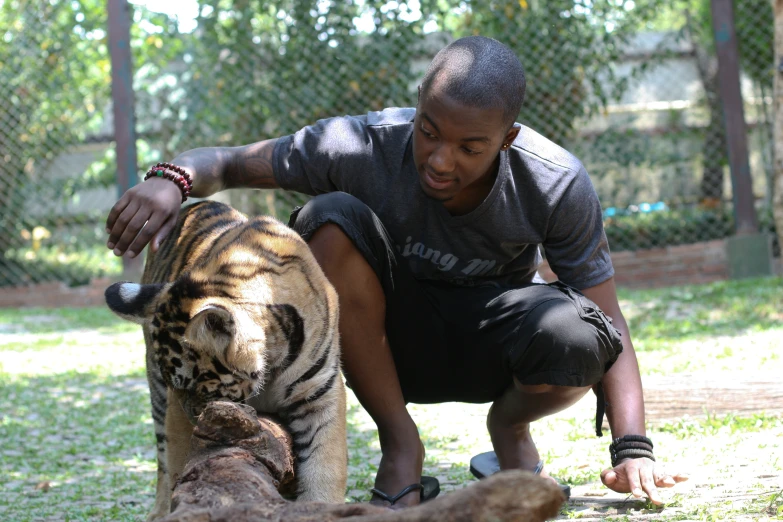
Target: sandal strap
(393, 499)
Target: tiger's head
(207, 345)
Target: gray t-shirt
(542, 196)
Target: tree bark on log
(239, 463)
(777, 201)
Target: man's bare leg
(510, 416)
(367, 359)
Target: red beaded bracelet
(174, 173)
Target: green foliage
(55, 92)
(256, 68)
(54, 82)
(76, 265)
(756, 39)
(568, 49)
(675, 227)
(660, 229)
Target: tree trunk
(777, 200)
(714, 146)
(713, 149)
(238, 463)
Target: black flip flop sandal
(429, 488)
(486, 464)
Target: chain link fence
(629, 87)
(54, 142)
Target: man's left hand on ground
(639, 476)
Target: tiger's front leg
(158, 400)
(178, 430)
(321, 451)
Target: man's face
(456, 147)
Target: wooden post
(734, 116)
(777, 201)
(122, 99)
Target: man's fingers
(667, 480)
(147, 232)
(634, 483)
(120, 226)
(134, 225)
(648, 484)
(164, 231)
(608, 477)
(115, 212)
(662, 479)
(155, 197)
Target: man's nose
(442, 160)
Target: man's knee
(329, 243)
(557, 346)
(325, 208)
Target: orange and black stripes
(236, 308)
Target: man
(428, 224)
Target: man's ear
(512, 133)
(418, 94)
(131, 301)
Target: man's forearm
(207, 166)
(623, 389)
(217, 168)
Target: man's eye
(427, 133)
(471, 151)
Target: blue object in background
(644, 208)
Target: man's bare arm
(622, 383)
(148, 211)
(217, 168)
(622, 386)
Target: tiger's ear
(211, 330)
(131, 301)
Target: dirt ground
(734, 474)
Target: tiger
(237, 308)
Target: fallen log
(240, 464)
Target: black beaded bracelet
(631, 447)
(632, 438)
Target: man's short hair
(479, 72)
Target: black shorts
(454, 343)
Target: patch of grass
(687, 312)
(78, 441)
(771, 505)
(40, 320)
(75, 446)
(712, 425)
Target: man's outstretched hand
(147, 211)
(639, 476)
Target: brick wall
(697, 263)
(54, 295)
